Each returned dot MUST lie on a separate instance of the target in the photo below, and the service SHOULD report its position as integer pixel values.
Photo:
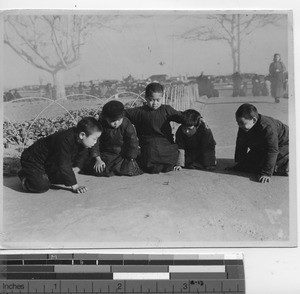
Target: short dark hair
(113, 110)
(191, 117)
(153, 88)
(88, 125)
(247, 111)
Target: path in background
(178, 208)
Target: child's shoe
(23, 180)
(210, 167)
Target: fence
(181, 97)
(36, 117)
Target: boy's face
(115, 123)
(189, 130)
(246, 124)
(277, 57)
(89, 141)
(155, 101)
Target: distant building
(158, 78)
(172, 80)
(128, 79)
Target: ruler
(122, 273)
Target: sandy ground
(186, 208)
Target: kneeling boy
(116, 150)
(51, 160)
(195, 142)
(262, 144)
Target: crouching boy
(195, 142)
(116, 151)
(262, 144)
(52, 160)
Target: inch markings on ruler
(85, 273)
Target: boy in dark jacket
(262, 144)
(159, 153)
(195, 142)
(117, 148)
(53, 159)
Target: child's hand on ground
(177, 168)
(99, 165)
(79, 189)
(264, 179)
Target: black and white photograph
(139, 129)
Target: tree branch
(55, 43)
(221, 22)
(33, 48)
(259, 21)
(25, 56)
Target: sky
(143, 46)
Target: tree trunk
(59, 86)
(235, 55)
(234, 43)
(239, 43)
(235, 60)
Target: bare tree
(231, 28)
(51, 43)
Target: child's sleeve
(207, 138)
(241, 146)
(95, 150)
(208, 144)
(131, 114)
(81, 158)
(64, 161)
(179, 139)
(131, 144)
(181, 158)
(173, 114)
(272, 148)
(272, 69)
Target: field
(186, 208)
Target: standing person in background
(256, 88)
(266, 91)
(286, 85)
(202, 82)
(80, 88)
(277, 69)
(237, 84)
(49, 91)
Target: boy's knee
(282, 170)
(36, 184)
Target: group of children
(140, 140)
